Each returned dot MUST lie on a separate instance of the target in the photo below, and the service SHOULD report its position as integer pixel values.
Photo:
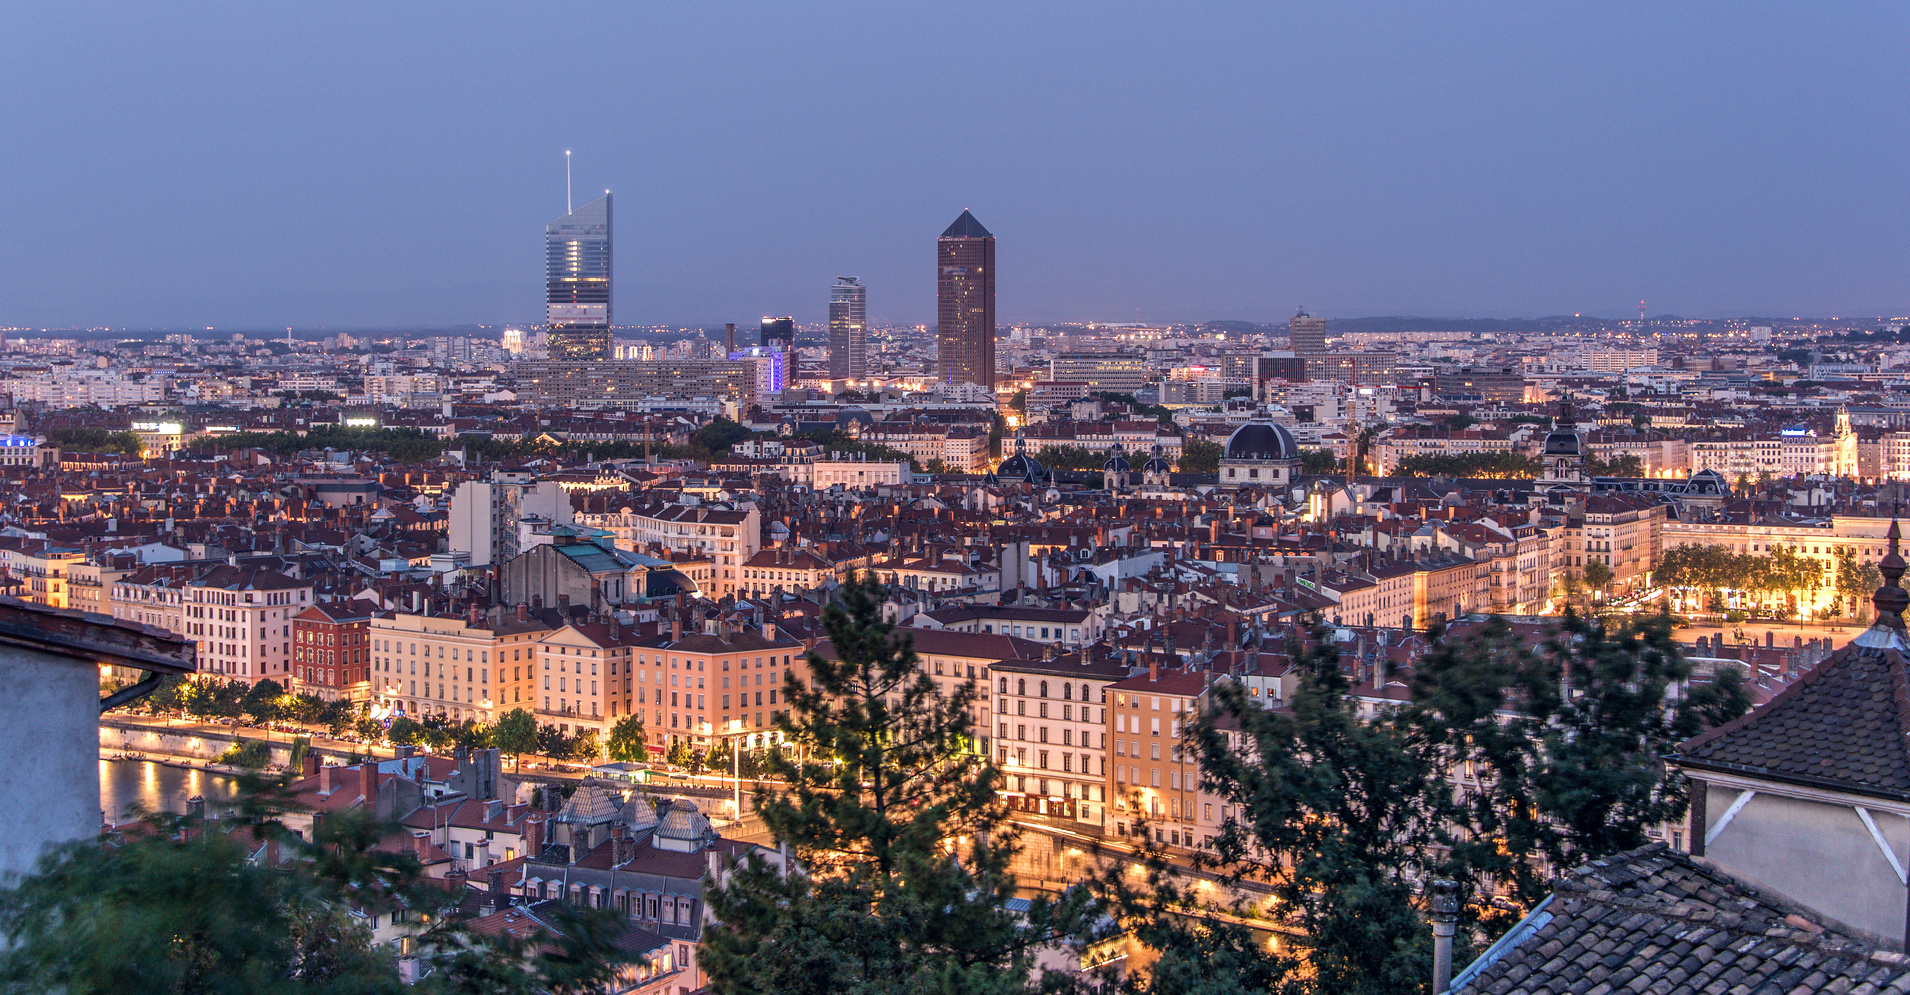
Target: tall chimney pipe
(1445, 920)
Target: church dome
(1156, 463)
(1021, 467)
(1709, 481)
(1564, 442)
(1117, 461)
(1261, 439)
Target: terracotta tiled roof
(1657, 920)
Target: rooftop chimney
(534, 833)
(1445, 917)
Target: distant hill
(1241, 327)
(1405, 324)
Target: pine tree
(902, 844)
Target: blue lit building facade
(577, 282)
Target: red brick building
(331, 651)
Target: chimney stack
(324, 779)
(421, 845)
(1445, 918)
(523, 612)
(368, 783)
(534, 833)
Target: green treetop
(902, 843)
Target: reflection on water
(124, 782)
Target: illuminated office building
(577, 282)
(1307, 333)
(778, 333)
(848, 329)
(965, 304)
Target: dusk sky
(392, 165)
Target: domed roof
(1564, 442)
(588, 807)
(854, 413)
(639, 814)
(1261, 439)
(1117, 460)
(1156, 463)
(683, 827)
(1021, 467)
(1708, 481)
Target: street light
(736, 768)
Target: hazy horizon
(377, 167)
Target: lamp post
(736, 768)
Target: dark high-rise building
(965, 303)
(778, 333)
(848, 329)
(1491, 384)
(577, 282)
(1307, 333)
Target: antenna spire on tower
(567, 207)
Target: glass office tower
(848, 329)
(778, 333)
(577, 282)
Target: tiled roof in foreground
(1844, 725)
(1655, 920)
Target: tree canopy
(627, 740)
(1500, 465)
(182, 907)
(1507, 759)
(903, 843)
(1200, 456)
(1779, 572)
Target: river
(156, 786)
